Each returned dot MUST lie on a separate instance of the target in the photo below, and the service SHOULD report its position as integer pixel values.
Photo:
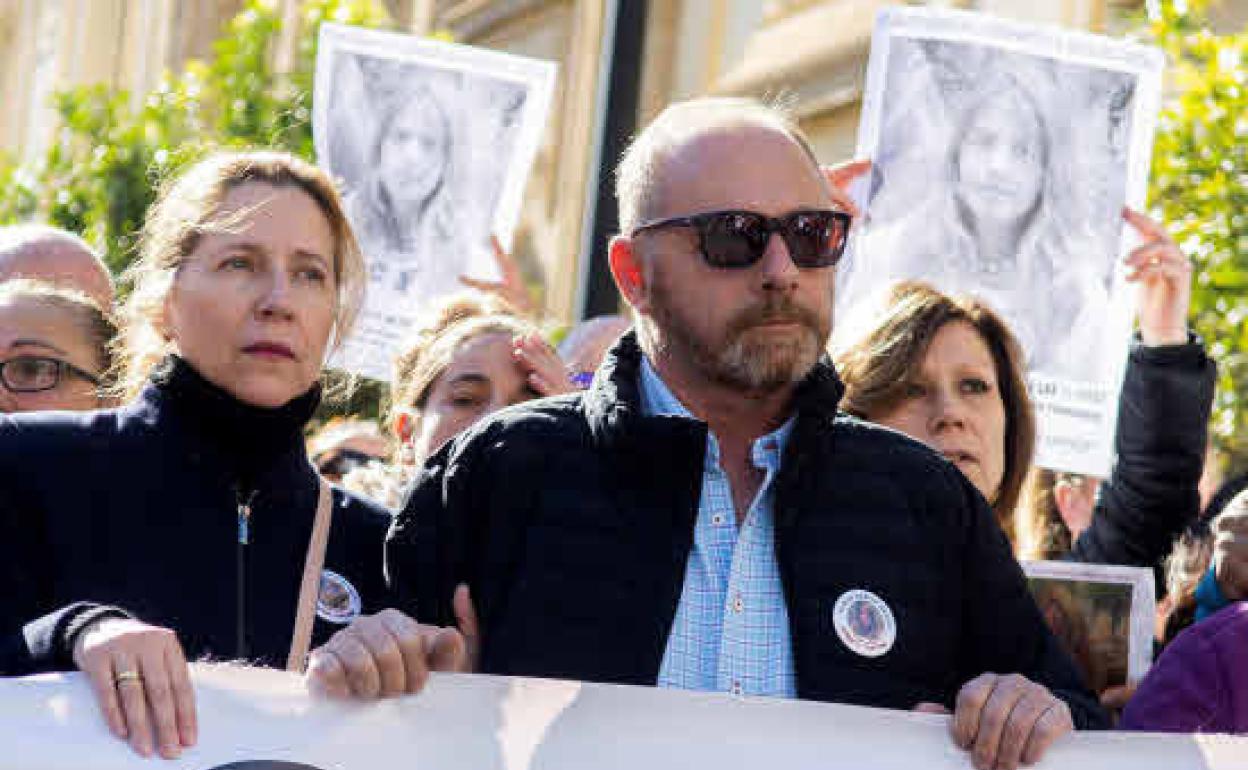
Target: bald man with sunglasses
(703, 517)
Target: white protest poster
(1102, 614)
(432, 143)
(1003, 155)
(253, 719)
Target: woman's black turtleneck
(248, 437)
(137, 509)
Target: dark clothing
(571, 519)
(1151, 494)
(138, 507)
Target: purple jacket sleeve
(1200, 683)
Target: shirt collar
(657, 399)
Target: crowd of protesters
(705, 494)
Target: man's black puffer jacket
(571, 520)
(135, 510)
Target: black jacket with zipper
(137, 510)
(571, 520)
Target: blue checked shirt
(731, 631)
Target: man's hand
(389, 654)
(1164, 276)
(1230, 549)
(1005, 719)
(141, 683)
(840, 177)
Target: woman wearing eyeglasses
(54, 348)
(190, 522)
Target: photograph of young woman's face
(413, 152)
(1000, 161)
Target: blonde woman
(472, 356)
(187, 529)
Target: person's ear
(628, 271)
(405, 424)
(161, 322)
(1064, 499)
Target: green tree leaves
(112, 151)
(1200, 188)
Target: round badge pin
(864, 623)
(337, 601)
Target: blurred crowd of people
(699, 494)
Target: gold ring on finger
(127, 676)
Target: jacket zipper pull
(244, 523)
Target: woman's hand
(1164, 276)
(142, 684)
(546, 372)
(511, 288)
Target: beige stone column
(578, 167)
(144, 44)
(18, 25)
(420, 15)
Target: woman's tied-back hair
(422, 359)
(432, 346)
(877, 367)
(95, 322)
(1039, 530)
(185, 211)
(1188, 563)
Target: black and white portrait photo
(1002, 157)
(432, 144)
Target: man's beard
(745, 357)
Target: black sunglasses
(814, 237)
(32, 374)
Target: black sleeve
(38, 628)
(1005, 631)
(36, 635)
(425, 545)
(47, 643)
(355, 547)
(462, 521)
(1151, 494)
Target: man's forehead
(743, 167)
(48, 257)
(59, 262)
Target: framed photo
(432, 143)
(1103, 615)
(1002, 157)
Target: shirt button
(718, 519)
(738, 604)
(736, 687)
(771, 445)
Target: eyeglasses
(31, 374)
(340, 462)
(732, 239)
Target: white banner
(252, 718)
